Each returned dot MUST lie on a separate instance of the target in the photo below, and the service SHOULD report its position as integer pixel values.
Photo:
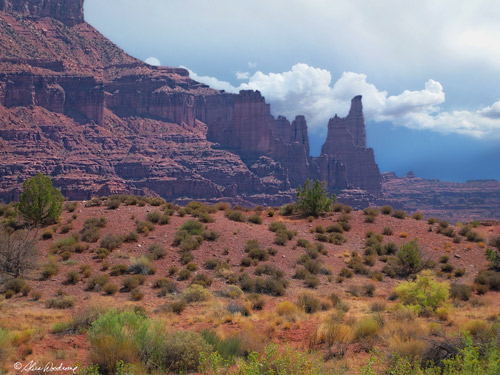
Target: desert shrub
(192, 227)
(50, 269)
(444, 259)
(418, 216)
(60, 302)
(268, 285)
(238, 308)
(386, 210)
(66, 228)
(202, 279)
(157, 251)
(132, 236)
(337, 239)
(113, 204)
(144, 227)
(459, 272)
(369, 290)
(366, 328)
(110, 288)
(231, 291)
(255, 219)
(335, 228)
(460, 291)
(488, 278)
(399, 214)
(277, 226)
(302, 242)
(287, 209)
(212, 264)
(346, 272)
(286, 308)
(447, 268)
(14, 285)
(227, 348)
(177, 307)
(154, 217)
(311, 281)
(196, 293)
(211, 235)
(258, 254)
(111, 242)
(119, 269)
(136, 295)
(96, 283)
(183, 274)
(257, 301)
(370, 211)
(377, 306)
(90, 234)
(409, 257)
(72, 277)
(132, 282)
(102, 253)
(117, 336)
(387, 231)
(321, 237)
(166, 286)
(424, 293)
(235, 216)
(85, 270)
(141, 265)
(312, 199)
(270, 270)
(309, 303)
(47, 234)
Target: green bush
(255, 219)
(460, 291)
(192, 227)
(312, 199)
(424, 293)
(145, 227)
(111, 242)
(196, 293)
(50, 269)
(40, 203)
(110, 288)
(386, 210)
(235, 216)
(410, 259)
(118, 336)
(277, 226)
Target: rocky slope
(76, 107)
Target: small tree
(17, 253)
(40, 202)
(312, 199)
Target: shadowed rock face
(76, 107)
(346, 142)
(69, 12)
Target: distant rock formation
(76, 107)
(346, 142)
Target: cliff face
(76, 107)
(68, 12)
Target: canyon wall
(77, 108)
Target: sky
(429, 71)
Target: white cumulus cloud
(153, 61)
(309, 91)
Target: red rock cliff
(76, 107)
